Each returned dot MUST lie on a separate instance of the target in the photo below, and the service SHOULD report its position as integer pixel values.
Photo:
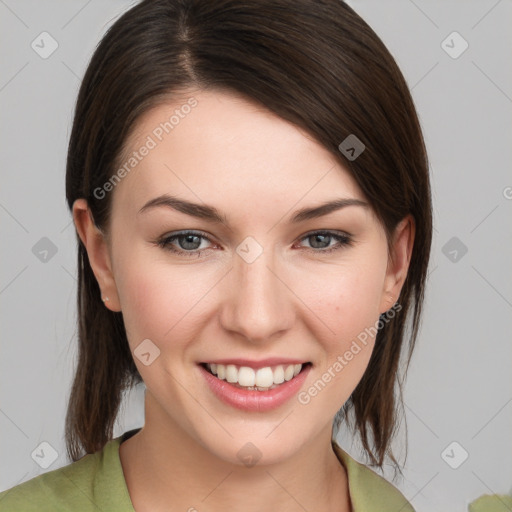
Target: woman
(250, 190)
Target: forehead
(223, 149)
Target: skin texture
(293, 301)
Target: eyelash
(165, 243)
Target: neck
(165, 467)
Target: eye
(189, 243)
(320, 241)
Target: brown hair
(314, 63)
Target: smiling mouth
(262, 379)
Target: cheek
(348, 303)
(162, 302)
(143, 307)
(154, 299)
(347, 298)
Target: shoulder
(491, 503)
(95, 482)
(369, 491)
(53, 490)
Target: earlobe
(398, 263)
(98, 254)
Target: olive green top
(96, 483)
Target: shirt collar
(370, 492)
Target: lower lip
(253, 400)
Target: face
(255, 285)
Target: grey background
(459, 386)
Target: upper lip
(262, 363)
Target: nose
(258, 305)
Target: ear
(398, 262)
(98, 253)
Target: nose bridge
(257, 307)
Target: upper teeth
(247, 376)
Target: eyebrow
(211, 213)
